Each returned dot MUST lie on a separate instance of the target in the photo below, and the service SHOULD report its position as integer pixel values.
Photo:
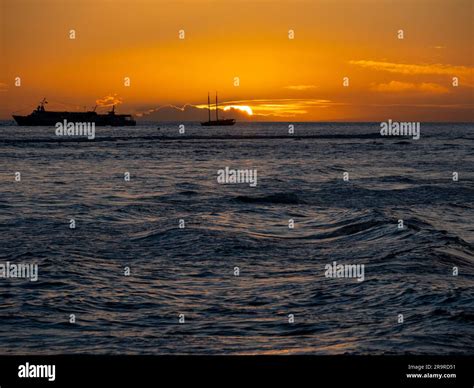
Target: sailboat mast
(217, 118)
(209, 105)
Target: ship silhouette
(40, 116)
(216, 122)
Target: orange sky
(281, 79)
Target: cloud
(284, 107)
(188, 113)
(109, 100)
(169, 113)
(263, 109)
(397, 86)
(300, 87)
(413, 69)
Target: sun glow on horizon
(243, 108)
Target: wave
(360, 195)
(277, 198)
(187, 138)
(188, 192)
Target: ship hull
(218, 123)
(52, 118)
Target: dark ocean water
(190, 271)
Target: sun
(243, 108)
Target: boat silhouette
(40, 116)
(216, 122)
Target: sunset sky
(281, 79)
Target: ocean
(170, 261)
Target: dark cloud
(188, 113)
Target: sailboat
(216, 122)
